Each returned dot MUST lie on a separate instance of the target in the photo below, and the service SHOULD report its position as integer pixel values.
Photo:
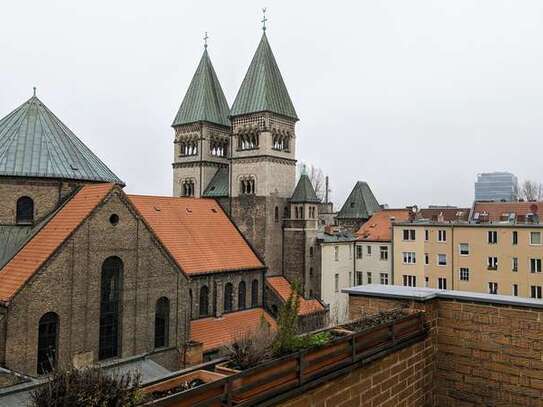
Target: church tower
(263, 164)
(202, 133)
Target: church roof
(197, 234)
(304, 191)
(35, 143)
(12, 238)
(218, 186)
(360, 204)
(263, 88)
(204, 100)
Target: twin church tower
(244, 156)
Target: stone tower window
(204, 301)
(281, 142)
(48, 328)
(277, 214)
(218, 148)
(247, 186)
(110, 307)
(25, 210)
(254, 293)
(162, 322)
(188, 187)
(242, 293)
(248, 141)
(188, 147)
(228, 297)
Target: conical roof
(204, 100)
(263, 88)
(304, 191)
(35, 143)
(360, 204)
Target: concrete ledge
(426, 294)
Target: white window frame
(493, 287)
(426, 259)
(514, 290)
(411, 235)
(492, 263)
(460, 249)
(535, 265)
(514, 264)
(538, 291)
(437, 260)
(369, 277)
(492, 237)
(359, 278)
(409, 258)
(442, 283)
(532, 240)
(383, 250)
(359, 251)
(368, 250)
(383, 278)
(442, 235)
(463, 274)
(409, 280)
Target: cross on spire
(264, 19)
(34, 88)
(205, 39)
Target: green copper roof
(263, 88)
(360, 204)
(204, 101)
(11, 240)
(218, 186)
(304, 191)
(35, 143)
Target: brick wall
(486, 354)
(401, 379)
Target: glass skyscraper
(496, 186)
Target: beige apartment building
(495, 257)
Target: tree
(316, 176)
(531, 190)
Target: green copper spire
(304, 191)
(263, 89)
(204, 101)
(360, 204)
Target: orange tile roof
(197, 234)
(496, 210)
(283, 288)
(378, 228)
(49, 238)
(446, 214)
(217, 332)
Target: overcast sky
(414, 97)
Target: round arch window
(114, 219)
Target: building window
(204, 301)
(368, 250)
(492, 263)
(384, 252)
(442, 283)
(350, 252)
(310, 271)
(311, 251)
(464, 249)
(276, 214)
(492, 237)
(464, 274)
(426, 235)
(188, 147)
(48, 328)
(515, 237)
(409, 281)
(162, 322)
(358, 252)
(514, 290)
(535, 291)
(350, 276)
(359, 280)
(409, 234)
(228, 297)
(218, 147)
(492, 288)
(409, 258)
(384, 278)
(254, 293)
(247, 141)
(426, 280)
(514, 266)
(535, 238)
(336, 283)
(242, 293)
(110, 308)
(247, 186)
(441, 259)
(426, 259)
(25, 210)
(368, 276)
(535, 265)
(441, 235)
(188, 188)
(336, 253)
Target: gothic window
(188, 147)
(228, 294)
(204, 301)
(162, 322)
(188, 187)
(247, 186)
(254, 293)
(218, 148)
(277, 214)
(48, 327)
(110, 308)
(248, 141)
(280, 142)
(25, 210)
(241, 295)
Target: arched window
(204, 301)
(254, 293)
(162, 322)
(277, 214)
(228, 293)
(25, 210)
(110, 308)
(47, 342)
(242, 292)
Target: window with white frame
(535, 291)
(492, 287)
(368, 250)
(384, 252)
(514, 290)
(368, 276)
(442, 283)
(514, 264)
(359, 280)
(426, 259)
(514, 237)
(464, 249)
(441, 235)
(384, 278)
(426, 281)
(358, 252)
(409, 258)
(492, 263)
(464, 274)
(492, 237)
(409, 234)
(441, 259)
(535, 238)
(409, 281)
(426, 235)
(535, 265)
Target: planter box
(187, 400)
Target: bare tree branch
(316, 176)
(531, 190)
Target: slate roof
(204, 100)
(378, 228)
(214, 333)
(11, 239)
(360, 204)
(281, 286)
(304, 191)
(197, 234)
(218, 186)
(35, 143)
(48, 239)
(263, 88)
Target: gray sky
(415, 97)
